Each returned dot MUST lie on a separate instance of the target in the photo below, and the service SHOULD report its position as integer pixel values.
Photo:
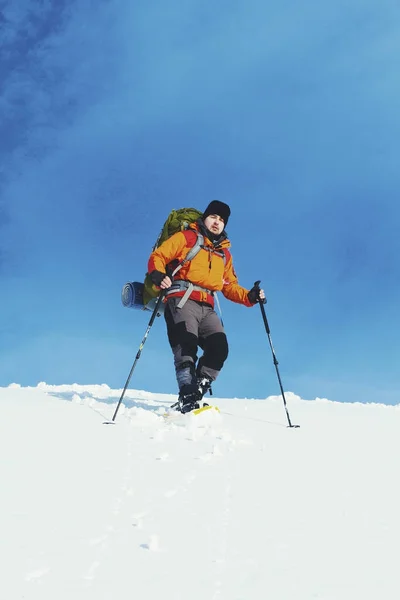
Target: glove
(157, 277)
(254, 295)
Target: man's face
(214, 223)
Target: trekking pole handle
(257, 286)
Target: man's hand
(161, 280)
(256, 294)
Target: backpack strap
(198, 245)
(222, 254)
(227, 255)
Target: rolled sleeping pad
(132, 297)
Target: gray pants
(195, 325)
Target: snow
(229, 506)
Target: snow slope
(234, 506)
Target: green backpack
(178, 220)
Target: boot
(189, 398)
(203, 385)
(190, 395)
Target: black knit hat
(218, 208)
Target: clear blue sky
(114, 112)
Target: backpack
(143, 295)
(177, 220)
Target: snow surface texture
(230, 506)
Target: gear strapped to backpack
(143, 295)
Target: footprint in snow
(37, 574)
(153, 545)
(92, 570)
(137, 520)
(164, 456)
(216, 451)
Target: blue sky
(113, 115)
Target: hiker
(189, 296)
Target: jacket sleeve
(169, 250)
(231, 288)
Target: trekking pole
(264, 316)
(153, 316)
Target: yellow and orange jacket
(207, 269)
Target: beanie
(218, 208)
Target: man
(189, 296)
